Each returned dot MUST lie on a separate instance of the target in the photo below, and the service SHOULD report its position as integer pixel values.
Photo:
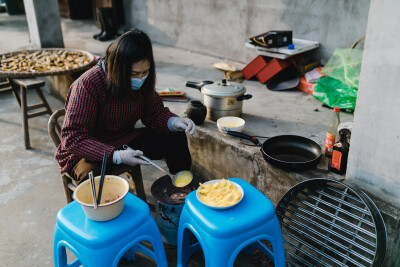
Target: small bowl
(111, 205)
(238, 187)
(230, 124)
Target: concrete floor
(31, 192)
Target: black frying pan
(288, 152)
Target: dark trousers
(172, 147)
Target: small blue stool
(223, 233)
(104, 243)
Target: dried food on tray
(232, 70)
(45, 60)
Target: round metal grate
(326, 223)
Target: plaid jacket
(95, 122)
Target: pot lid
(223, 88)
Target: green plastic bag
(334, 93)
(339, 88)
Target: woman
(103, 106)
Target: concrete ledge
(217, 156)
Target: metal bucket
(169, 205)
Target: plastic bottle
(340, 153)
(332, 132)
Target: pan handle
(244, 136)
(197, 85)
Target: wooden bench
(27, 111)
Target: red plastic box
(254, 67)
(305, 86)
(273, 67)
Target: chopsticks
(93, 187)
(103, 171)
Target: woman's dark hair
(129, 48)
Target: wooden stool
(29, 83)
(5, 86)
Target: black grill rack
(326, 223)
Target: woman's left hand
(183, 124)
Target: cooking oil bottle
(332, 132)
(338, 163)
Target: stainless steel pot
(221, 98)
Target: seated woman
(103, 106)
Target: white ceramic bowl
(230, 123)
(238, 187)
(113, 194)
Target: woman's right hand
(128, 157)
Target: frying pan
(288, 152)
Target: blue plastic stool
(104, 243)
(223, 233)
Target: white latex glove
(128, 157)
(181, 124)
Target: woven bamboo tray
(19, 74)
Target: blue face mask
(137, 83)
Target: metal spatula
(151, 162)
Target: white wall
(221, 27)
(374, 160)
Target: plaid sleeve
(80, 118)
(155, 115)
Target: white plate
(238, 187)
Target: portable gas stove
(169, 204)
